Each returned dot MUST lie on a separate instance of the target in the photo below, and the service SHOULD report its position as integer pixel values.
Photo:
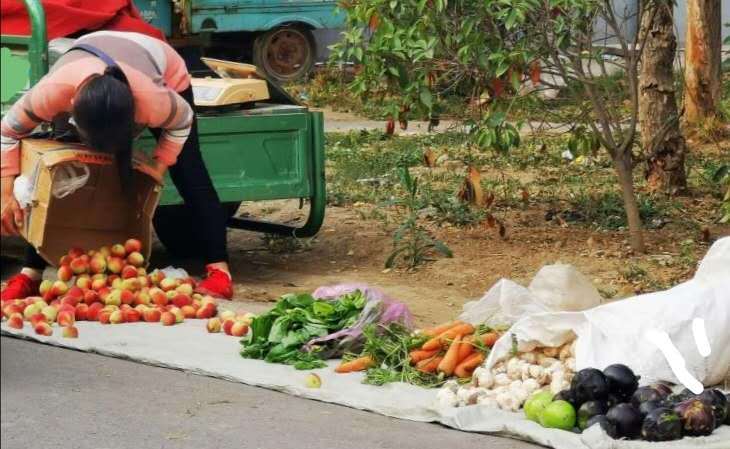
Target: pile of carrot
(453, 349)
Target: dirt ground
(352, 248)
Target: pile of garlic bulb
(511, 381)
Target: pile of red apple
(112, 286)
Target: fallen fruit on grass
(116, 317)
(70, 332)
(312, 381)
(239, 329)
(152, 315)
(15, 321)
(135, 259)
(66, 318)
(65, 273)
(213, 325)
(43, 328)
(168, 319)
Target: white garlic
(446, 398)
(550, 352)
(536, 371)
(570, 363)
(525, 371)
(557, 382)
(530, 385)
(519, 392)
(540, 374)
(514, 368)
(529, 357)
(502, 379)
(556, 367)
(499, 368)
(465, 394)
(484, 377)
(548, 362)
(452, 385)
(507, 401)
(564, 352)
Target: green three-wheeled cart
(258, 151)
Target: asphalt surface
(59, 398)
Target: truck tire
(175, 230)
(285, 53)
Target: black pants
(195, 186)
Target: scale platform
(238, 84)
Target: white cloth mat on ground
(189, 347)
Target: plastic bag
(619, 332)
(23, 191)
(68, 178)
(379, 308)
(555, 288)
(175, 273)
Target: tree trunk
(623, 166)
(661, 138)
(703, 53)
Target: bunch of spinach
(278, 335)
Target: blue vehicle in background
(278, 36)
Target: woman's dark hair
(104, 114)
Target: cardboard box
(96, 214)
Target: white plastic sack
(555, 288)
(67, 178)
(617, 332)
(23, 191)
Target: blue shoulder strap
(96, 52)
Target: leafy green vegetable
(278, 335)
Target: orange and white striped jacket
(156, 74)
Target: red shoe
(20, 286)
(217, 284)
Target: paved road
(58, 398)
